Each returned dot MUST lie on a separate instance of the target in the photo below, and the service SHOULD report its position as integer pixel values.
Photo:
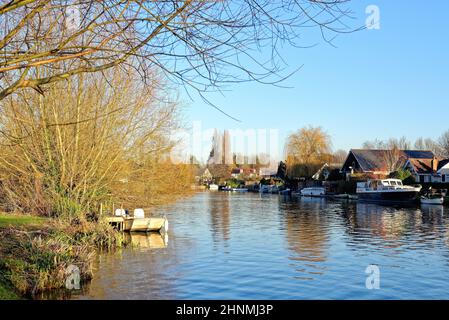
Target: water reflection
(307, 237)
(147, 240)
(391, 227)
(225, 246)
(220, 217)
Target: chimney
(434, 164)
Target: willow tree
(307, 150)
(200, 44)
(85, 142)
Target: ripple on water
(247, 246)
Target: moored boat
(387, 191)
(432, 200)
(313, 192)
(213, 187)
(138, 223)
(146, 224)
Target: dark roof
(417, 154)
(442, 163)
(374, 160)
(370, 160)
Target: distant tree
(394, 159)
(443, 143)
(339, 156)
(429, 145)
(307, 150)
(402, 144)
(374, 145)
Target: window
(443, 178)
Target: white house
(429, 170)
(443, 171)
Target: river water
(250, 246)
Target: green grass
(7, 293)
(8, 220)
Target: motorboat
(438, 200)
(387, 190)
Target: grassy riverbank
(36, 252)
(7, 291)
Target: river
(251, 246)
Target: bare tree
(191, 41)
(375, 144)
(429, 144)
(339, 156)
(443, 143)
(394, 158)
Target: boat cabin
(386, 184)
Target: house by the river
(425, 166)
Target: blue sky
(382, 83)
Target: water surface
(248, 246)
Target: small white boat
(432, 201)
(313, 192)
(240, 190)
(138, 223)
(213, 187)
(146, 225)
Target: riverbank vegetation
(35, 253)
(80, 148)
